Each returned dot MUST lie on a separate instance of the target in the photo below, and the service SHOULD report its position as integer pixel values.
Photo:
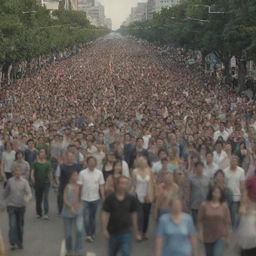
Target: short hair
(199, 163)
(30, 140)
(162, 151)
(122, 177)
(219, 171)
(139, 138)
(91, 158)
(210, 192)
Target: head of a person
(30, 143)
(168, 178)
(139, 142)
(164, 162)
(162, 154)
(199, 167)
(73, 177)
(215, 193)
(219, 177)
(8, 146)
(175, 205)
(42, 153)
(70, 157)
(117, 167)
(159, 143)
(17, 172)
(111, 158)
(233, 161)
(219, 146)
(91, 162)
(141, 162)
(209, 157)
(123, 184)
(19, 155)
(222, 126)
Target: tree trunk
(242, 72)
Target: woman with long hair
(107, 168)
(111, 181)
(214, 222)
(143, 187)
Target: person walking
(119, 219)
(16, 194)
(176, 233)
(72, 213)
(143, 187)
(214, 222)
(41, 178)
(92, 183)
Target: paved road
(43, 238)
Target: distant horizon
(119, 10)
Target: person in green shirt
(43, 145)
(41, 177)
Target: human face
(176, 206)
(17, 173)
(42, 154)
(233, 162)
(216, 194)
(118, 168)
(123, 185)
(91, 164)
(219, 178)
(74, 177)
(209, 158)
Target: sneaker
(46, 217)
(13, 247)
(89, 239)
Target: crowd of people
(139, 134)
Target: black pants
(143, 216)
(42, 192)
(60, 199)
(248, 252)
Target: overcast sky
(119, 10)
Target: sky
(118, 10)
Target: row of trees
(224, 27)
(28, 30)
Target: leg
(45, 198)
(86, 213)
(194, 215)
(60, 199)
(140, 216)
(146, 214)
(20, 225)
(12, 225)
(79, 234)
(39, 199)
(126, 244)
(93, 212)
(234, 214)
(68, 233)
(113, 245)
(219, 247)
(208, 249)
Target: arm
(28, 192)
(159, 245)
(193, 245)
(104, 223)
(200, 222)
(102, 191)
(2, 170)
(33, 176)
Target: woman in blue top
(72, 214)
(176, 233)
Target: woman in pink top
(214, 222)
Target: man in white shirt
(157, 166)
(220, 157)
(209, 166)
(221, 133)
(235, 177)
(92, 182)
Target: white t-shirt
(157, 167)
(221, 160)
(233, 180)
(8, 159)
(209, 170)
(146, 139)
(90, 182)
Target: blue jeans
(42, 194)
(216, 248)
(90, 210)
(68, 227)
(16, 224)
(120, 244)
(234, 207)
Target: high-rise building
(51, 4)
(138, 13)
(158, 5)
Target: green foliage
(28, 30)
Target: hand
(73, 210)
(105, 234)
